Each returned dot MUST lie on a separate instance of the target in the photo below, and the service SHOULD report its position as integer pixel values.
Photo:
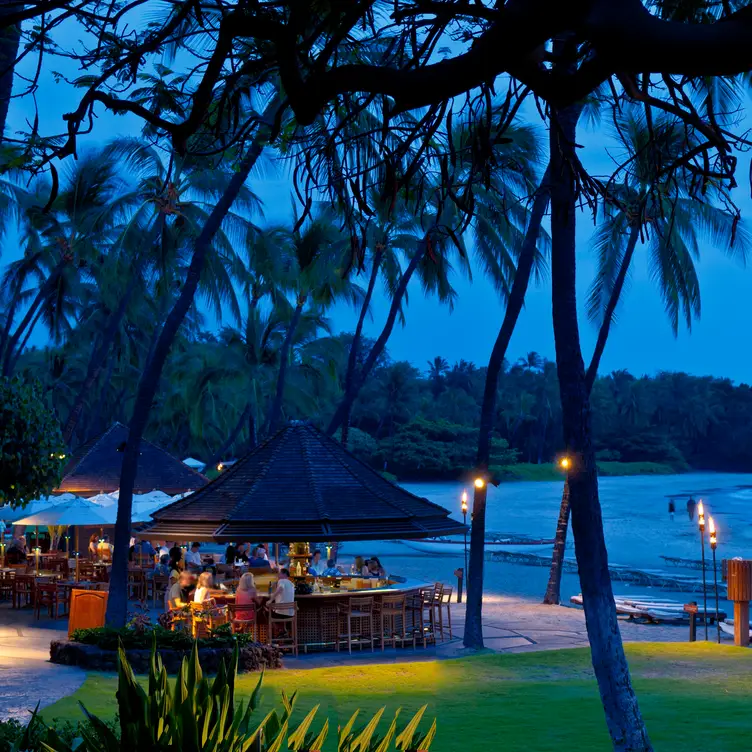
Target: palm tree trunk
(97, 360)
(93, 426)
(553, 590)
(9, 41)
(378, 346)
(603, 332)
(29, 331)
(622, 713)
(227, 445)
(275, 411)
(352, 359)
(117, 604)
(473, 615)
(252, 438)
(11, 313)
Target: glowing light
(479, 482)
(464, 502)
(219, 467)
(711, 526)
(565, 463)
(701, 516)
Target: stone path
(26, 675)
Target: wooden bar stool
(361, 611)
(393, 620)
(421, 608)
(51, 598)
(243, 619)
(445, 602)
(23, 590)
(6, 585)
(277, 615)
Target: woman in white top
(283, 593)
(204, 588)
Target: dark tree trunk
(9, 42)
(252, 437)
(553, 591)
(352, 359)
(22, 346)
(603, 332)
(97, 360)
(117, 605)
(44, 292)
(10, 315)
(345, 405)
(94, 424)
(232, 438)
(473, 616)
(623, 717)
(275, 411)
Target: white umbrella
(8, 514)
(103, 500)
(75, 511)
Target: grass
(693, 696)
(548, 471)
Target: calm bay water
(635, 513)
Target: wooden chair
(6, 584)
(289, 640)
(361, 611)
(50, 597)
(86, 571)
(438, 599)
(23, 590)
(420, 607)
(243, 619)
(58, 565)
(137, 584)
(159, 584)
(393, 620)
(205, 617)
(445, 602)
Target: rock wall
(253, 657)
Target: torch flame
(711, 526)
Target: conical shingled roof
(95, 467)
(301, 485)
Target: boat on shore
(454, 545)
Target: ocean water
(635, 513)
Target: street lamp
(713, 546)
(479, 482)
(565, 463)
(701, 523)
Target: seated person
(144, 548)
(246, 595)
(241, 552)
(283, 593)
(193, 557)
(261, 552)
(181, 593)
(374, 568)
(359, 568)
(16, 553)
(258, 562)
(231, 553)
(104, 549)
(317, 565)
(93, 543)
(162, 569)
(205, 586)
(331, 570)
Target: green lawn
(694, 697)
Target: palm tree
(313, 277)
(437, 369)
(656, 206)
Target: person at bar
(374, 568)
(258, 562)
(193, 557)
(359, 567)
(231, 553)
(204, 588)
(104, 549)
(182, 591)
(246, 595)
(331, 569)
(317, 566)
(93, 543)
(283, 593)
(16, 553)
(162, 569)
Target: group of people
(255, 557)
(361, 567)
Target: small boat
(727, 627)
(454, 545)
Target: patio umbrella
(75, 511)
(9, 514)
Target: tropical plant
(200, 714)
(32, 452)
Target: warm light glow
(701, 516)
(565, 463)
(479, 483)
(464, 502)
(711, 526)
(219, 467)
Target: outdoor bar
(301, 487)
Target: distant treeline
(417, 423)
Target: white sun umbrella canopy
(75, 511)
(193, 463)
(103, 500)
(8, 514)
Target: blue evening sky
(641, 341)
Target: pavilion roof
(95, 467)
(301, 485)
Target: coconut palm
(662, 209)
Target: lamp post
(701, 523)
(464, 522)
(713, 546)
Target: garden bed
(253, 656)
